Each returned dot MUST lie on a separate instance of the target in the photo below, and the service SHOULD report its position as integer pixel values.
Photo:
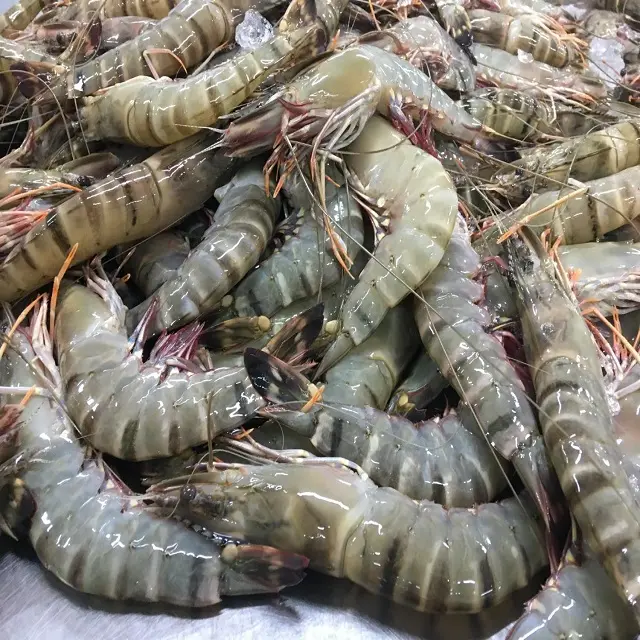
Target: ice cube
(253, 31)
(605, 59)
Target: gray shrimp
(440, 460)
(89, 531)
(453, 330)
(418, 554)
(242, 227)
(575, 416)
(298, 270)
(128, 205)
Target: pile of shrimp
(344, 285)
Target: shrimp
(527, 33)
(78, 173)
(157, 260)
(415, 553)
(579, 600)
(501, 69)
(604, 274)
(130, 204)
(160, 410)
(20, 15)
(91, 533)
(423, 42)
(512, 114)
(298, 269)
(575, 417)
(456, 21)
(629, 8)
(440, 459)
(154, 113)
(595, 155)
(421, 201)
(476, 365)
(574, 214)
(338, 95)
(523, 8)
(421, 386)
(232, 246)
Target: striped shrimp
(604, 274)
(629, 8)
(440, 459)
(575, 214)
(540, 80)
(128, 205)
(153, 113)
(595, 155)
(527, 33)
(513, 114)
(456, 21)
(185, 37)
(476, 365)
(423, 42)
(415, 553)
(242, 227)
(298, 269)
(421, 202)
(338, 95)
(89, 531)
(575, 417)
(159, 408)
(19, 16)
(523, 8)
(577, 601)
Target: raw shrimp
(242, 227)
(604, 274)
(153, 113)
(527, 33)
(78, 173)
(513, 114)
(420, 199)
(578, 600)
(453, 330)
(298, 269)
(523, 7)
(540, 80)
(576, 214)
(130, 204)
(416, 553)
(139, 410)
(439, 460)
(575, 416)
(185, 37)
(456, 21)
(337, 97)
(117, 31)
(423, 42)
(92, 534)
(595, 155)
(157, 260)
(422, 384)
(20, 15)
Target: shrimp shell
(415, 553)
(420, 198)
(128, 205)
(20, 15)
(575, 417)
(242, 227)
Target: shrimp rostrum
(78, 509)
(416, 553)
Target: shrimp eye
(188, 493)
(519, 173)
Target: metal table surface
(34, 606)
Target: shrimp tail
(295, 338)
(258, 568)
(276, 381)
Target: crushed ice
(253, 31)
(605, 59)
